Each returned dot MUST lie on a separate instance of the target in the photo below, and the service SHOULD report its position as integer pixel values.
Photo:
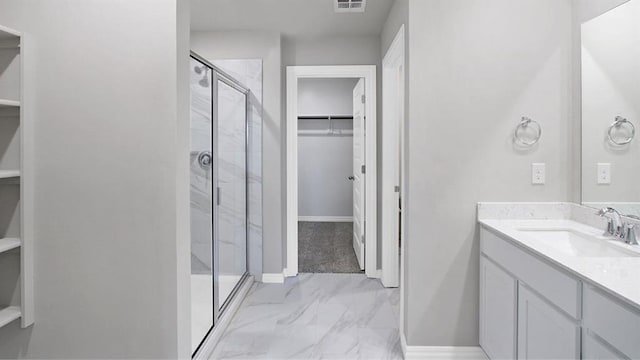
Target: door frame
(368, 72)
(393, 120)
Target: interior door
(358, 171)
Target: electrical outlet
(538, 173)
(604, 173)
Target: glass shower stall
(219, 207)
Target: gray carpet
(326, 248)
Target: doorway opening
(331, 170)
(330, 153)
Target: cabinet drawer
(559, 288)
(616, 323)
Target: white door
(358, 171)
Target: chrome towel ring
(525, 123)
(617, 124)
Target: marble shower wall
(201, 190)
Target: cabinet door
(498, 309)
(543, 331)
(593, 349)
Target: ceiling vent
(349, 6)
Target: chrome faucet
(630, 235)
(614, 225)
(617, 228)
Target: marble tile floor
(315, 316)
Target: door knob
(351, 178)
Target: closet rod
(325, 117)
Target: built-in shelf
(335, 132)
(8, 314)
(16, 214)
(325, 117)
(4, 103)
(9, 34)
(7, 174)
(7, 244)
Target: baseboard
(441, 352)
(273, 278)
(287, 273)
(325, 218)
(207, 349)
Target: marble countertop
(617, 275)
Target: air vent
(344, 6)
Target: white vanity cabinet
(532, 308)
(595, 349)
(612, 327)
(498, 311)
(535, 312)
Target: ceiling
(292, 18)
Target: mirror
(611, 109)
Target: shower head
(200, 69)
(204, 82)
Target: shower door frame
(218, 74)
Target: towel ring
(524, 123)
(619, 122)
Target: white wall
(325, 162)
(326, 96)
(265, 46)
(476, 67)
(107, 92)
(588, 9)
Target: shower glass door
(231, 119)
(219, 134)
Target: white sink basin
(575, 243)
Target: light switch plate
(538, 173)
(604, 173)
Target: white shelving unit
(328, 129)
(4, 103)
(7, 244)
(8, 314)
(16, 254)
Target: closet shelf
(4, 103)
(325, 117)
(8, 33)
(325, 132)
(7, 174)
(7, 244)
(8, 314)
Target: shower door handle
(352, 178)
(218, 196)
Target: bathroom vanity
(552, 286)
